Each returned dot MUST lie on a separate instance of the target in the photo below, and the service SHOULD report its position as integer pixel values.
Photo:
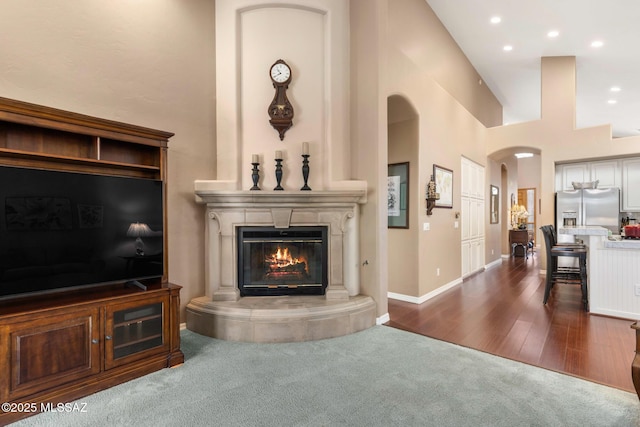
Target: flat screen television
(61, 230)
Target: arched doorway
(403, 136)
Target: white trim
(425, 297)
(613, 313)
(493, 264)
(383, 319)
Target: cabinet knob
(108, 337)
(94, 341)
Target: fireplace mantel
(248, 198)
(342, 304)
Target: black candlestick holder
(255, 176)
(305, 172)
(278, 174)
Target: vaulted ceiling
(514, 75)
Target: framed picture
(444, 185)
(398, 195)
(495, 204)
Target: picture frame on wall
(444, 185)
(495, 205)
(398, 195)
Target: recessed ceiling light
(612, 101)
(508, 48)
(597, 43)
(615, 88)
(496, 20)
(523, 155)
(553, 34)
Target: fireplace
(274, 261)
(308, 290)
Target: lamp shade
(138, 229)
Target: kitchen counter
(622, 244)
(612, 272)
(584, 230)
(610, 242)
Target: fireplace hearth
(290, 261)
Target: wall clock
(280, 109)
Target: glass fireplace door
(282, 261)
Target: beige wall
(403, 242)
(446, 128)
(368, 117)
(314, 42)
(150, 65)
(416, 32)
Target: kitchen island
(613, 271)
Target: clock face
(280, 72)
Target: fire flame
(282, 258)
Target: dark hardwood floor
(500, 311)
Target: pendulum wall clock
(280, 109)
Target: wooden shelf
(74, 160)
(43, 137)
(138, 341)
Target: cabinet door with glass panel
(136, 330)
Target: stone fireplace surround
(223, 313)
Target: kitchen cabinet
(574, 172)
(606, 172)
(631, 185)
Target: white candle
(278, 154)
(254, 158)
(305, 148)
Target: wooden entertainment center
(61, 346)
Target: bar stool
(565, 275)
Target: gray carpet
(378, 377)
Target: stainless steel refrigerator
(597, 206)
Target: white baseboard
(493, 264)
(425, 297)
(383, 319)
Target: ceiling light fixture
(553, 34)
(496, 20)
(612, 101)
(615, 88)
(597, 43)
(523, 155)
(507, 48)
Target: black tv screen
(65, 229)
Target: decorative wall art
(398, 195)
(495, 204)
(444, 184)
